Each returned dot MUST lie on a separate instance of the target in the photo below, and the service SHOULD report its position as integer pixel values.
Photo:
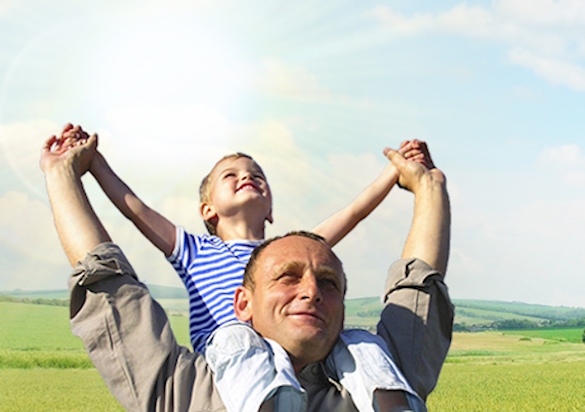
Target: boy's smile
(248, 185)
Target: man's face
(236, 183)
(297, 299)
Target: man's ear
(243, 304)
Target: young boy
(235, 204)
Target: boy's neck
(227, 229)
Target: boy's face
(236, 183)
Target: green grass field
(574, 335)
(25, 390)
(44, 368)
(532, 386)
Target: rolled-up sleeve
(417, 322)
(129, 340)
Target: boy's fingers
(66, 128)
(49, 142)
(394, 156)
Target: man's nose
(310, 289)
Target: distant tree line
(553, 313)
(35, 301)
(518, 324)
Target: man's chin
(314, 339)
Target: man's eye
(329, 284)
(287, 277)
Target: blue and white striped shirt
(211, 270)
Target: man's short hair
(206, 184)
(248, 281)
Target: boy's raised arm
(334, 228)
(158, 229)
(337, 226)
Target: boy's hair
(248, 281)
(205, 187)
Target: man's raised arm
(417, 319)
(127, 335)
(78, 226)
(430, 233)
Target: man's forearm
(77, 225)
(429, 237)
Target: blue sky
(314, 92)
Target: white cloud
(281, 79)
(27, 225)
(568, 161)
(290, 81)
(399, 23)
(553, 70)
(569, 155)
(21, 146)
(544, 13)
(543, 36)
(6, 6)
(474, 21)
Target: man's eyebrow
(287, 267)
(323, 270)
(327, 270)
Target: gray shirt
(128, 338)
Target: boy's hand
(417, 151)
(72, 136)
(74, 146)
(413, 175)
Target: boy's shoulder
(214, 240)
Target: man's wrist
(62, 170)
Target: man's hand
(413, 174)
(74, 148)
(417, 151)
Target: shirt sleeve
(417, 322)
(128, 338)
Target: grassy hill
(477, 313)
(158, 291)
(364, 312)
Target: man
(293, 296)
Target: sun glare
(180, 64)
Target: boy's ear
(269, 217)
(243, 304)
(207, 211)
